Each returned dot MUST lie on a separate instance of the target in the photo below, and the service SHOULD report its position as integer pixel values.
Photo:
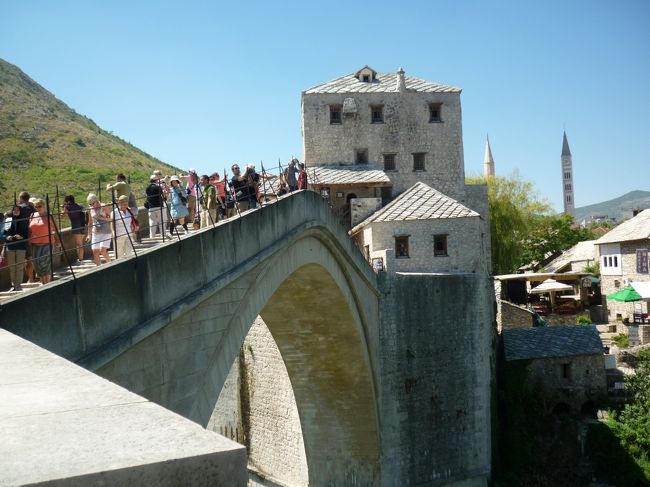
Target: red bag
(135, 224)
(3, 258)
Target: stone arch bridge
(168, 326)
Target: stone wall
(437, 335)
(466, 250)
(257, 400)
(628, 271)
(585, 380)
(406, 130)
(510, 315)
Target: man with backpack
(209, 200)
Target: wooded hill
(45, 143)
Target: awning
(625, 295)
(550, 285)
(643, 288)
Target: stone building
(564, 365)
(370, 137)
(423, 230)
(623, 257)
(407, 127)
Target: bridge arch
(313, 311)
(171, 322)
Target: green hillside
(618, 208)
(44, 143)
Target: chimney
(401, 83)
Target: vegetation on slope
(44, 143)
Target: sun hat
(123, 198)
(174, 178)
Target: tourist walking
(122, 218)
(99, 228)
(302, 176)
(191, 185)
(155, 206)
(177, 205)
(209, 201)
(75, 212)
(42, 239)
(16, 236)
(289, 175)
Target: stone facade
(465, 246)
(404, 131)
(257, 400)
(568, 380)
(614, 278)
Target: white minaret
(488, 163)
(567, 178)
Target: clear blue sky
(204, 84)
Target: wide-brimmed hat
(174, 178)
(123, 198)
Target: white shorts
(100, 241)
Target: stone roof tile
(637, 228)
(419, 202)
(385, 83)
(347, 175)
(551, 341)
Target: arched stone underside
(321, 314)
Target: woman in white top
(99, 228)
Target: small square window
(361, 156)
(402, 247)
(389, 162)
(434, 112)
(440, 245)
(376, 113)
(418, 161)
(335, 114)
(366, 78)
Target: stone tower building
(567, 178)
(406, 127)
(488, 163)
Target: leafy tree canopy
(514, 207)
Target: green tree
(514, 207)
(632, 424)
(552, 234)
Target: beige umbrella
(551, 286)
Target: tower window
(567, 175)
(418, 161)
(440, 245)
(434, 112)
(376, 113)
(389, 162)
(402, 247)
(361, 156)
(335, 114)
(567, 186)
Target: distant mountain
(619, 208)
(44, 143)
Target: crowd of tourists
(29, 234)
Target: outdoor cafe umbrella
(551, 286)
(625, 295)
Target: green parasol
(625, 295)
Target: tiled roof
(551, 341)
(419, 202)
(347, 175)
(637, 228)
(581, 251)
(385, 83)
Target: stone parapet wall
(510, 315)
